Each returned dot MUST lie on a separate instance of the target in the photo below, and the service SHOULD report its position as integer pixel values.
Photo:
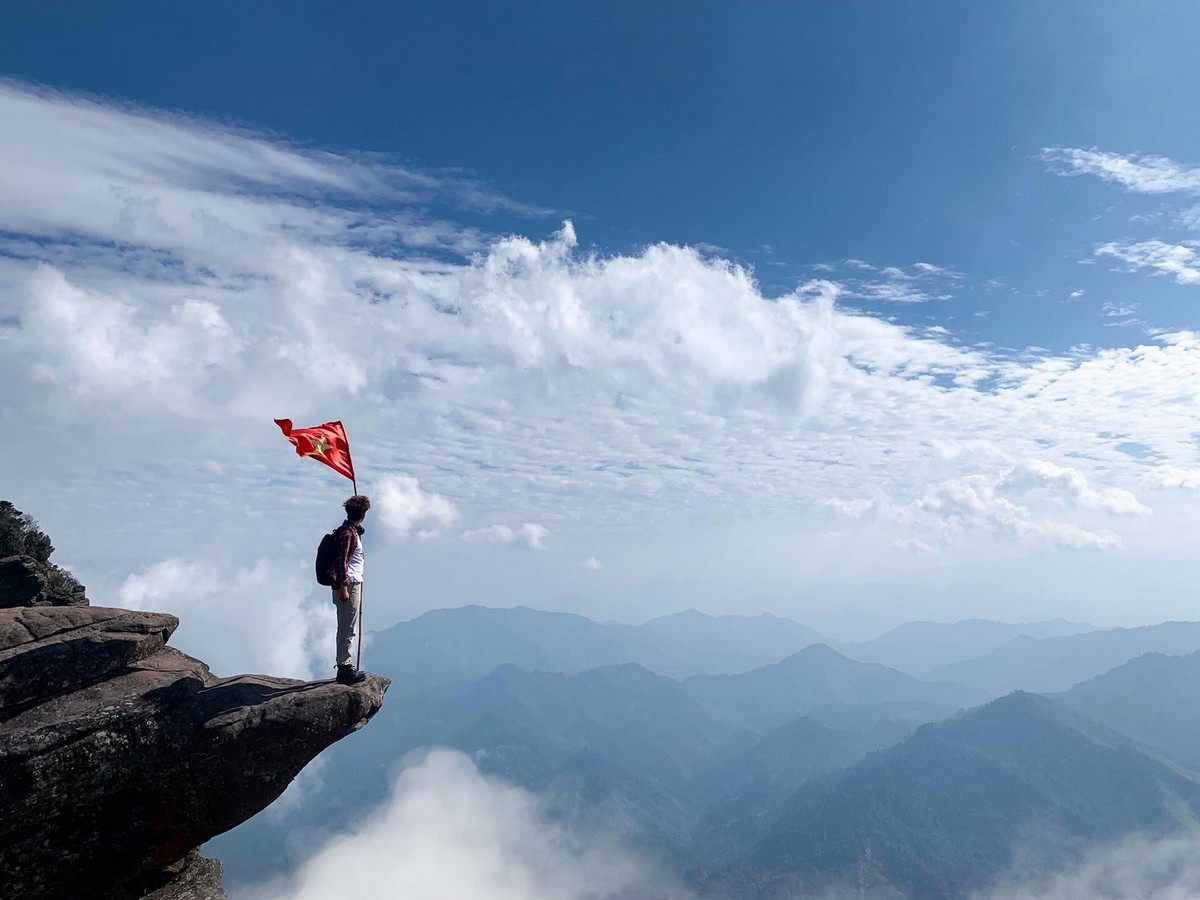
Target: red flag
(325, 443)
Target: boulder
(26, 582)
(120, 756)
(21, 581)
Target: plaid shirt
(347, 544)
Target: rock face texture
(119, 756)
(26, 582)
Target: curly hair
(356, 507)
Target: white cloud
(918, 283)
(446, 831)
(854, 509)
(239, 620)
(1175, 477)
(1117, 310)
(304, 786)
(979, 502)
(405, 509)
(914, 545)
(591, 563)
(1071, 486)
(1179, 261)
(1139, 173)
(1136, 868)
(103, 348)
(973, 501)
(168, 286)
(529, 535)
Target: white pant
(347, 616)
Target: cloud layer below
(446, 831)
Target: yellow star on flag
(319, 445)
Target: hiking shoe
(350, 675)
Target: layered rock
(119, 756)
(24, 581)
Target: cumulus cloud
(975, 502)
(1136, 868)
(529, 535)
(1071, 486)
(979, 502)
(261, 619)
(103, 348)
(168, 286)
(447, 831)
(405, 509)
(1175, 477)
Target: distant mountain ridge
(946, 809)
(919, 648)
(1050, 665)
(731, 644)
(1153, 698)
(447, 645)
(769, 696)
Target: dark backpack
(327, 556)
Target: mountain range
(447, 645)
(680, 758)
(1151, 699)
(1054, 664)
(919, 648)
(810, 771)
(946, 810)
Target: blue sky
(859, 306)
(891, 133)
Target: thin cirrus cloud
(920, 282)
(1139, 173)
(173, 279)
(1178, 261)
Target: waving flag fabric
(325, 443)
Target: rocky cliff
(120, 756)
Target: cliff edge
(120, 756)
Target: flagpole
(361, 590)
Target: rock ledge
(120, 756)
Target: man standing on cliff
(347, 584)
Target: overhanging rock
(119, 756)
